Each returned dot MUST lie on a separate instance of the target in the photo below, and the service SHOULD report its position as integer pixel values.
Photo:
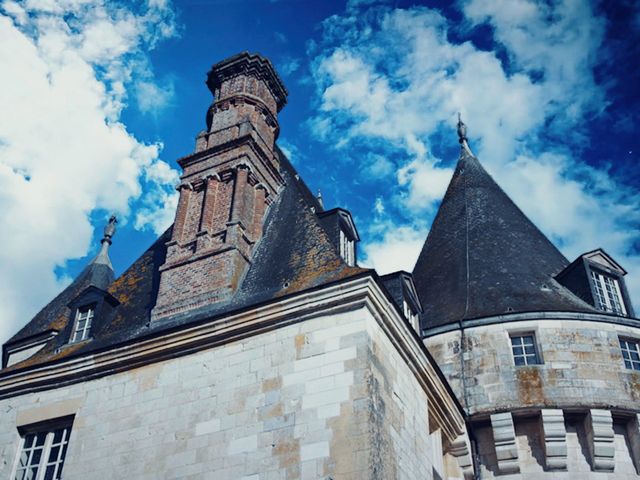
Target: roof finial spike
(319, 198)
(109, 232)
(462, 135)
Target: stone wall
(529, 446)
(329, 397)
(582, 366)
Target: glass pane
(53, 454)
(40, 438)
(530, 349)
(48, 474)
(516, 341)
(57, 435)
(518, 351)
(528, 340)
(35, 456)
(635, 356)
(627, 363)
(519, 360)
(24, 456)
(31, 473)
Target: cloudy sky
(99, 99)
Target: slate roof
(294, 254)
(484, 257)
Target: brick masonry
(225, 190)
(325, 398)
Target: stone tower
(538, 350)
(226, 187)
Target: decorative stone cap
(246, 63)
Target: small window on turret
(630, 353)
(82, 327)
(607, 292)
(524, 350)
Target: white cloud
(63, 151)
(393, 76)
(396, 249)
(153, 98)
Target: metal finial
(462, 130)
(319, 198)
(110, 229)
(462, 135)
(109, 232)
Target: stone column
(554, 435)
(599, 428)
(504, 437)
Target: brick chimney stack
(226, 187)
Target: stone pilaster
(554, 435)
(599, 429)
(504, 437)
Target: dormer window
(607, 292)
(82, 327)
(347, 250)
(411, 316)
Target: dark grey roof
(484, 257)
(294, 254)
(54, 314)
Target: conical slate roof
(484, 257)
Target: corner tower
(226, 187)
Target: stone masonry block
(504, 437)
(554, 436)
(600, 439)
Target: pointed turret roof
(484, 257)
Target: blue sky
(101, 98)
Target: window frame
(49, 428)
(89, 320)
(607, 292)
(347, 248)
(630, 363)
(537, 356)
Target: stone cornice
(350, 294)
(526, 316)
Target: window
(347, 249)
(42, 454)
(608, 295)
(524, 349)
(630, 353)
(83, 324)
(410, 316)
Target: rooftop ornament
(109, 232)
(462, 135)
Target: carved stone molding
(504, 437)
(460, 450)
(600, 440)
(554, 436)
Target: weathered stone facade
(327, 397)
(571, 416)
